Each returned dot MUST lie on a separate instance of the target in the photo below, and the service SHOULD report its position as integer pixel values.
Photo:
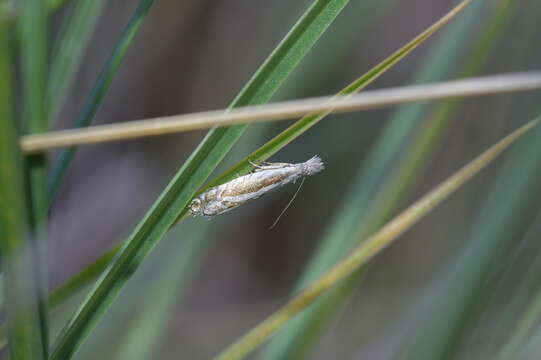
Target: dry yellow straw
(281, 111)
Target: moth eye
(195, 207)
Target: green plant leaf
(95, 99)
(147, 327)
(194, 172)
(75, 35)
(33, 37)
(370, 248)
(21, 303)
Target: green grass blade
(370, 248)
(374, 195)
(194, 172)
(302, 125)
(74, 35)
(33, 37)
(7, 7)
(21, 304)
(145, 331)
(95, 99)
(82, 279)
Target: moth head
(196, 207)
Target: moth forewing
(263, 179)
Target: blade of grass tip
(495, 229)
(194, 172)
(351, 223)
(96, 96)
(19, 283)
(145, 331)
(305, 123)
(33, 36)
(371, 247)
(74, 37)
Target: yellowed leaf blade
(368, 249)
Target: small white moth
(263, 179)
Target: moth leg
(263, 165)
(258, 164)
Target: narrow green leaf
(33, 37)
(95, 99)
(147, 328)
(194, 172)
(370, 248)
(74, 36)
(21, 304)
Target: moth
(265, 178)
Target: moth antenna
(288, 204)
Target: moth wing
(270, 166)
